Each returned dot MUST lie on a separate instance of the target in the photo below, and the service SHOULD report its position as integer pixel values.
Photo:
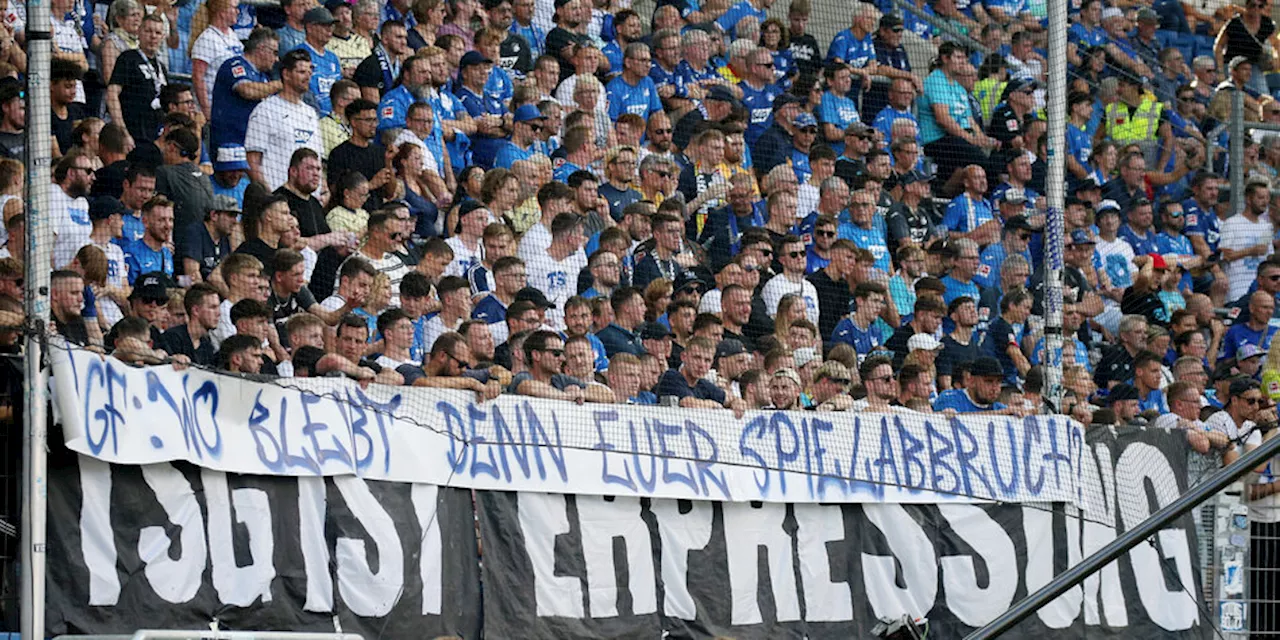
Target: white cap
(923, 341)
(805, 355)
(1112, 12)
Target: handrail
(210, 634)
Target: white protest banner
(332, 427)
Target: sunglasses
(1253, 402)
(825, 234)
(766, 252)
(535, 127)
(559, 353)
(795, 254)
(840, 381)
(664, 174)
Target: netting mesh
(739, 206)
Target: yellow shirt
(343, 219)
(333, 132)
(525, 215)
(351, 50)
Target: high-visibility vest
(1140, 126)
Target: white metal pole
(1056, 186)
(38, 271)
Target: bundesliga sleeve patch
(237, 71)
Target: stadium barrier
(187, 497)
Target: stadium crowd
(698, 205)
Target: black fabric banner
(586, 567)
(177, 546)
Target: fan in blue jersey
(527, 122)
(836, 111)
(982, 394)
(633, 91)
(860, 329)
(241, 83)
(151, 253)
(1079, 140)
(728, 21)
(970, 211)
(758, 94)
(487, 111)
(326, 66)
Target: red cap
(1157, 261)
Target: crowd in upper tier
(698, 204)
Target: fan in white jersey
(555, 273)
(283, 123)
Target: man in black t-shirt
(361, 152)
(304, 180)
(1016, 102)
(564, 40)
(133, 97)
(64, 76)
(202, 245)
(378, 72)
(1143, 298)
(13, 122)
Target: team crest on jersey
(1011, 124)
(558, 162)
(388, 111)
(1234, 313)
(237, 71)
(1191, 219)
(984, 270)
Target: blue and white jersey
(499, 86)
(854, 51)
(230, 117)
(759, 104)
(728, 21)
(490, 309)
(1079, 144)
(694, 76)
(325, 72)
(872, 239)
(483, 148)
(389, 13)
(676, 78)
(533, 35)
(481, 279)
(140, 259)
(613, 53)
(566, 169)
(958, 399)
(800, 164)
(784, 66)
(640, 99)
(394, 108)
(956, 289)
(965, 214)
(1084, 37)
(510, 153)
(1202, 223)
(1142, 243)
(863, 341)
(887, 116)
(841, 112)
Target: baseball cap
(223, 202)
(1019, 223)
(231, 157)
(151, 287)
(890, 21)
(722, 93)
(527, 112)
(985, 367)
(318, 15)
(923, 341)
(1080, 236)
(858, 129)
(784, 100)
(104, 207)
(730, 347)
(1123, 391)
(1249, 351)
(1086, 184)
(805, 355)
(654, 331)
(1236, 61)
(805, 120)
(789, 373)
(1112, 12)
(1147, 14)
(912, 177)
(687, 280)
(472, 58)
(334, 5)
(1013, 196)
(535, 296)
(1158, 261)
(1018, 83)
(1108, 206)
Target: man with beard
(659, 134)
(283, 123)
(620, 165)
(68, 208)
(833, 287)
(722, 232)
(362, 152)
(66, 302)
(982, 393)
(493, 120)
(544, 353)
(563, 41)
(377, 73)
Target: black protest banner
(176, 546)
(561, 566)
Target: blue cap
(230, 157)
(805, 120)
(527, 112)
(1080, 236)
(473, 58)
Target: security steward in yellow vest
(1135, 117)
